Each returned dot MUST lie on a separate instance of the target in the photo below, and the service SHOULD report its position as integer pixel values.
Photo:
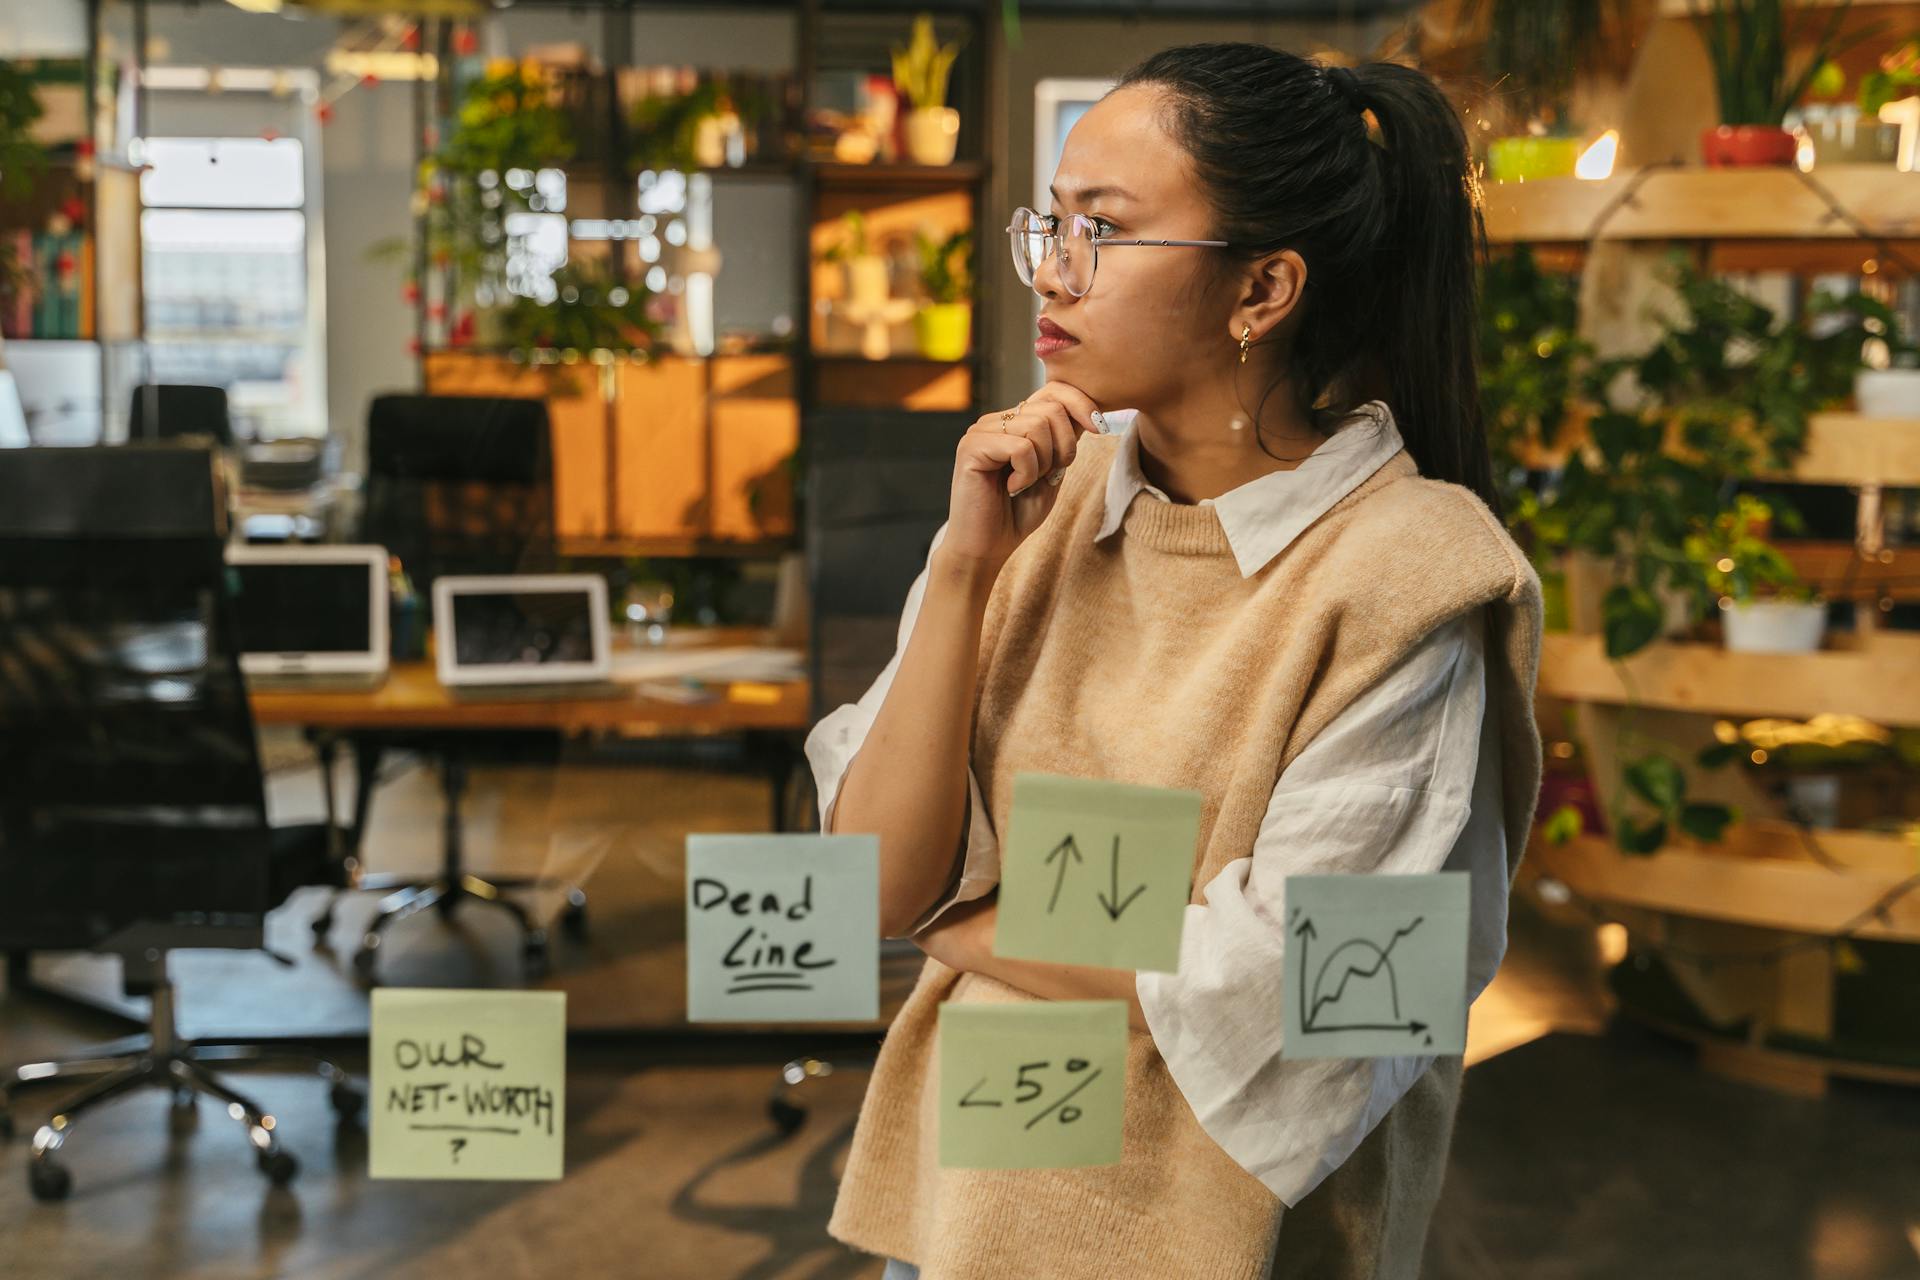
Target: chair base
(406, 897)
(160, 1060)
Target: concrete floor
(1583, 1148)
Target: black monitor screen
(522, 628)
(301, 608)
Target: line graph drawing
(1355, 957)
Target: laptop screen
(293, 607)
(522, 628)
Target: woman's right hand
(1007, 472)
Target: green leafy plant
(591, 312)
(1531, 362)
(946, 266)
(1535, 49)
(1654, 802)
(666, 127)
(1749, 42)
(921, 69)
(22, 159)
(853, 240)
(1736, 560)
(1897, 76)
(1723, 394)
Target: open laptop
(310, 616)
(534, 635)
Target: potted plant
(920, 72)
(867, 285)
(1534, 50)
(943, 324)
(1840, 132)
(1765, 608)
(1749, 41)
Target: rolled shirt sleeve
(833, 743)
(1404, 781)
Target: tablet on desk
(503, 632)
(310, 616)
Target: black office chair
(168, 411)
(132, 811)
(456, 485)
(877, 490)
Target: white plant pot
(932, 134)
(1887, 393)
(867, 280)
(1773, 626)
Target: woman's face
(1155, 315)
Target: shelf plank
(1850, 448)
(1767, 893)
(1842, 448)
(1707, 204)
(890, 177)
(1881, 683)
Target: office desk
(413, 709)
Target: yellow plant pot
(944, 330)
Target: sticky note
(1376, 965)
(1095, 872)
(1037, 1085)
(467, 1084)
(783, 928)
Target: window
(230, 300)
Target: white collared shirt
(1405, 780)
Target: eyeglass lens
(1073, 242)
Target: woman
(1282, 583)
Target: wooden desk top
(414, 698)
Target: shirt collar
(1265, 514)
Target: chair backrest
(168, 411)
(877, 490)
(128, 764)
(460, 484)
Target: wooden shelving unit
(628, 444)
(1766, 889)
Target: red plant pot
(1730, 145)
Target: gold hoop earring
(1246, 336)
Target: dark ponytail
(1390, 230)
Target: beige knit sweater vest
(1148, 659)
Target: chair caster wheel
(279, 1166)
(787, 1117)
(49, 1181)
(535, 960)
(573, 920)
(364, 961)
(347, 1101)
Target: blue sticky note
(1376, 965)
(783, 928)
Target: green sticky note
(783, 928)
(1032, 1086)
(1376, 965)
(467, 1084)
(1095, 872)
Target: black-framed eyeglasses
(1077, 241)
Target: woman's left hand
(963, 935)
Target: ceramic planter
(932, 134)
(943, 329)
(1741, 145)
(1524, 158)
(1773, 626)
(1853, 139)
(1887, 393)
(867, 280)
